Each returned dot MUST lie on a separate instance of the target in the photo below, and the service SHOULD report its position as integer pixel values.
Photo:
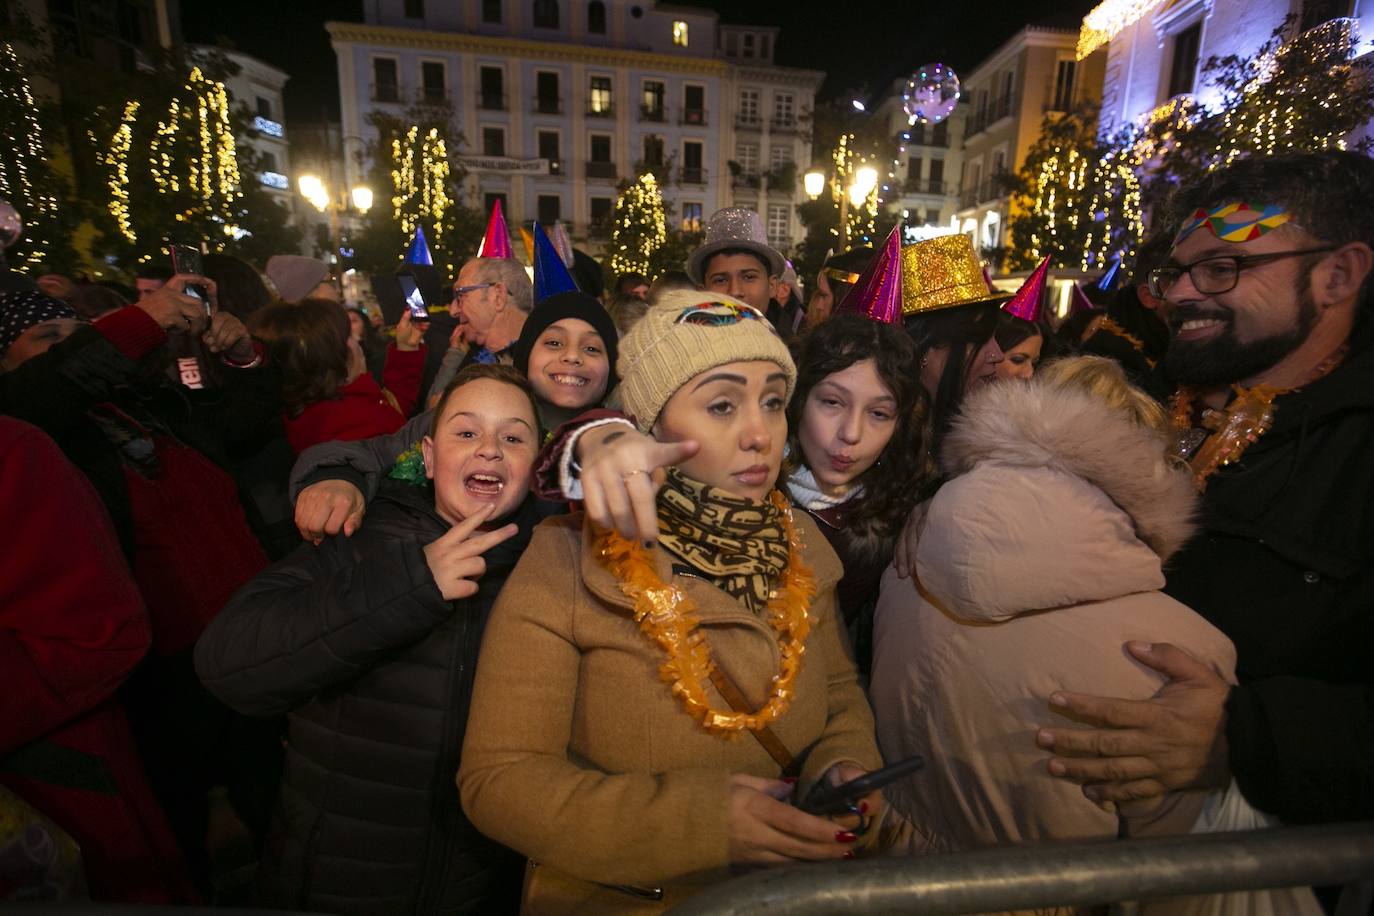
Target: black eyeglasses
(1218, 273)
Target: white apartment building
(1156, 54)
(560, 100)
(1033, 74)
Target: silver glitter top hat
(734, 227)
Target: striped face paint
(1234, 222)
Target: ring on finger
(628, 474)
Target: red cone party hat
(1030, 298)
(878, 292)
(496, 244)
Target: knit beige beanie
(677, 339)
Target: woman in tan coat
(636, 705)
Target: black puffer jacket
(354, 640)
(1284, 566)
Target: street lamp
(314, 190)
(861, 184)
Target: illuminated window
(691, 217)
(599, 98)
(679, 33)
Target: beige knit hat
(682, 335)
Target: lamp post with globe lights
(318, 194)
(861, 183)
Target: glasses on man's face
(460, 291)
(1218, 273)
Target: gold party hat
(941, 273)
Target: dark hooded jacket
(1284, 566)
(355, 641)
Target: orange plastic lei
(668, 617)
(1247, 417)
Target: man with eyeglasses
(1271, 359)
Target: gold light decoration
(420, 176)
(640, 227)
(26, 145)
(116, 159)
(1106, 20)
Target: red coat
(361, 409)
(72, 628)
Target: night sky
(873, 43)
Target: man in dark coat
(1272, 352)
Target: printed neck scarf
(738, 544)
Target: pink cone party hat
(496, 244)
(562, 244)
(1079, 301)
(1030, 298)
(878, 292)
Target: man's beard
(1223, 359)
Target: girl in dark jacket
(370, 643)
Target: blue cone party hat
(550, 276)
(1104, 282)
(418, 252)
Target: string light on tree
(640, 227)
(25, 174)
(116, 160)
(420, 179)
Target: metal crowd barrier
(1067, 874)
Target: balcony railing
(491, 101)
(987, 189)
(601, 170)
(543, 104)
(600, 110)
(745, 180)
(690, 175)
(696, 116)
(555, 166)
(925, 186)
(386, 92)
(656, 114)
(783, 124)
(995, 110)
(746, 121)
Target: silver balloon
(11, 226)
(931, 94)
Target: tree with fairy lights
(27, 178)
(171, 168)
(639, 229)
(417, 185)
(1300, 91)
(1075, 198)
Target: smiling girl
(369, 643)
(567, 350)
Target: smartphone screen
(414, 299)
(186, 260)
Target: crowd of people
(551, 597)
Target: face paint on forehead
(1234, 222)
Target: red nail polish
(849, 854)
(790, 780)
(845, 836)
(863, 807)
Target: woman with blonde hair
(1037, 560)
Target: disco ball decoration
(11, 226)
(931, 94)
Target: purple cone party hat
(562, 244)
(1108, 278)
(496, 244)
(1030, 298)
(418, 252)
(1079, 301)
(878, 292)
(550, 276)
